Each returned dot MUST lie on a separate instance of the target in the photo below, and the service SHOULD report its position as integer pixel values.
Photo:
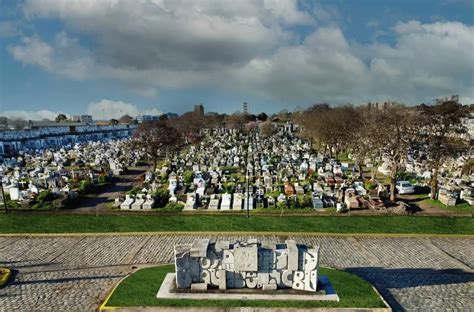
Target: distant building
(245, 108)
(49, 134)
(87, 119)
(144, 118)
(199, 109)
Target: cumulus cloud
(9, 29)
(64, 56)
(108, 109)
(30, 115)
(248, 47)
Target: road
(75, 273)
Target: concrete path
(98, 203)
(76, 273)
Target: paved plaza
(75, 273)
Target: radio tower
(245, 109)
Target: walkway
(76, 273)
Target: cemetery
(235, 171)
(230, 170)
(54, 177)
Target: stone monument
(223, 265)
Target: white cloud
(64, 56)
(247, 47)
(33, 51)
(30, 115)
(108, 109)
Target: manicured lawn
(41, 223)
(461, 207)
(140, 288)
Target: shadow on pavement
(385, 279)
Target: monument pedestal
(168, 290)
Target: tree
(113, 121)
(332, 128)
(61, 118)
(442, 135)
(262, 116)
(236, 120)
(18, 123)
(3, 121)
(369, 137)
(189, 125)
(399, 130)
(267, 129)
(126, 119)
(156, 138)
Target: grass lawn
(461, 207)
(54, 223)
(140, 288)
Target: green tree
(61, 118)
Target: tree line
(372, 131)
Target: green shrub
(274, 194)
(230, 169)
(292, 203)
(405, 176)
(102, 179)
(86, 187)
(172, 206)
(369, 185)
(282, 205)
(229, 187)
(134, 191)
(305, 201)
(44, 196)
(188, 177)
(162, 197)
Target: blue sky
(112, 57)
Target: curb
(218, 233)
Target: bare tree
(156, 138)
(267, 129)
(442, 134)
(332, 128)
(368, 141)
(190, 125)
(400, 130)
(126, 119)
(236, 120)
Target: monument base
(168, 290)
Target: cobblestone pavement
(76, 273)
